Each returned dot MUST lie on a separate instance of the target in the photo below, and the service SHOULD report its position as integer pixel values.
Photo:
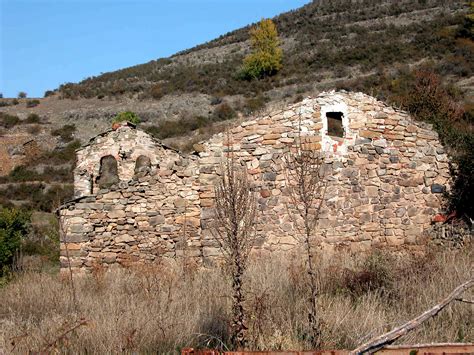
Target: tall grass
(156, 309)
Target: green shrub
(223, 112)
(254, 104)
(65, 132)
(64, 155)
(127, 116)
(216, 100)
(8, 121)
(33, 118)
(157, 91)
(43, 239)
(32, 103)
(22, 95)
(22, 173)
(37, 196)
(13, 227)
(48, 93)
(169, 128)
(34, 130)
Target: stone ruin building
(137, 200)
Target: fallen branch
(388, 338)
(465, 300)
(51, 345)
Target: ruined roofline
(324, 95)
(132, 126)
(69, 203)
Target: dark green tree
(13, 227)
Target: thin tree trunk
(238, 334)
(313, 313)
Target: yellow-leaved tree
(266, 55)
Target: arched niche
(108, 172)
(143, 164)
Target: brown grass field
(155, 309)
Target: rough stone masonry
(138, 201)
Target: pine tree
(266, 55)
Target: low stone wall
(136, 221)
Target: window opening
(108, 173)
(143, 164)
(335, 128)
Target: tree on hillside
(428, 100)
(235, 212)
(22, 95)
(266, 55)
(13, 227)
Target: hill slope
(323, 41)
(365, 45)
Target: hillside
(367, 45)
(323, 42)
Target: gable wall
(125, 144)
(135, 220)
(385, 178)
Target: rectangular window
(335, 128)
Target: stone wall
(126, 144)
(385, 182)
(386, 177)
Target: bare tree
(63, 228)
(235, 212)
(306, 186)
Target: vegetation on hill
(322, 40)
(375, 46)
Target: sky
(45, 43)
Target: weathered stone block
(114, 214)
(124, 238)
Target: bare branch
(63, 226)
(465, 300)
(388, 338)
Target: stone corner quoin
(138, 201)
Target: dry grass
(155, 309)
